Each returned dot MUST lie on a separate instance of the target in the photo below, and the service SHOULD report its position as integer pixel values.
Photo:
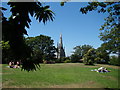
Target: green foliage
(111, 40)
(85, 49)
(14, 28)
(94, 6)
(89, 57)
(58, 61)
(74, 58)
(110, 31)
(4, 45)
(114, 61)
(102, 56)
(61, 60)
(7, 54)
(63, 2)
(67, 61)
(42, 47)
(79, 52)
(48, 62)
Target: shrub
(75, 58)
(49, 62)
(67, 61)
(99, 60)
(89, 57)
(58, 61)
(114, 61)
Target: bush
(75, 58)
(101, 61)
(89, 57)
(88, 62)
(67, 61)
(58, 61)
(48, 62)
(80, 61)
(114, 61)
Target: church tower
(60, 49)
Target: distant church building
(60, 49)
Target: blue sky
(75, 27)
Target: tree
(110, 31)
(6, 52)
(89, 57)
(114, 60)
(77, 54)
(75, 58)
(102, 56)
(42, 47)
(13, 29)
(81, 50)
(85, 49)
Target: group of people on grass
(101, 69)
(14, 64)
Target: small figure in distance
(11, 64)
(18, 64)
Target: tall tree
(14, 29)
(89, 57)
(77, 52)
(110, 31)
(85, 49)
(42, 46)
(102, 56)
(81, 50)
(75, 58)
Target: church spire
(61, 43)
(60, 49)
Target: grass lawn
(64, 75)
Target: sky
(76, 28)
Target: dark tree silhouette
(13, 29)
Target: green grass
(0, 76)
(72, 75)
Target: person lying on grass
(101, 69)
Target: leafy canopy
(42, 47)
(79, 52)
(14, 29)
(110, 30)
(89, 57)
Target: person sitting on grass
(18, 64)
(11, 64)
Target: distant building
(60, 49)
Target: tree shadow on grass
(111, 89)
(90, 65)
